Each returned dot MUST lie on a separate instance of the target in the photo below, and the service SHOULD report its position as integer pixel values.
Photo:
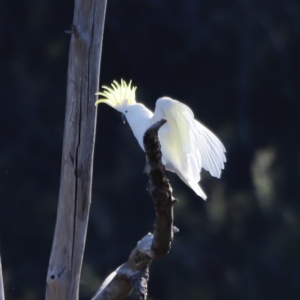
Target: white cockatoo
(186, 145)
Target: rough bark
(1, 282)
(161, 193)
(134, 273)
(78, 151)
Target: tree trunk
(78, 151)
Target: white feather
(187, 146)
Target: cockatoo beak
(123, 118)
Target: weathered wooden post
(78, 151)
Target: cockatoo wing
(194, 146)
(211, 150)
(176, 141)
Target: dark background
(236, 64)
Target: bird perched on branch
(186, 145)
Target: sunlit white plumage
(186, 145)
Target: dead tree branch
(134, 273)
(78, 151)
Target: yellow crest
(118, 96)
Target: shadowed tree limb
(134, 274)
(161, 193)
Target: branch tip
(75, 31)
(175, 229)
(174, 201)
